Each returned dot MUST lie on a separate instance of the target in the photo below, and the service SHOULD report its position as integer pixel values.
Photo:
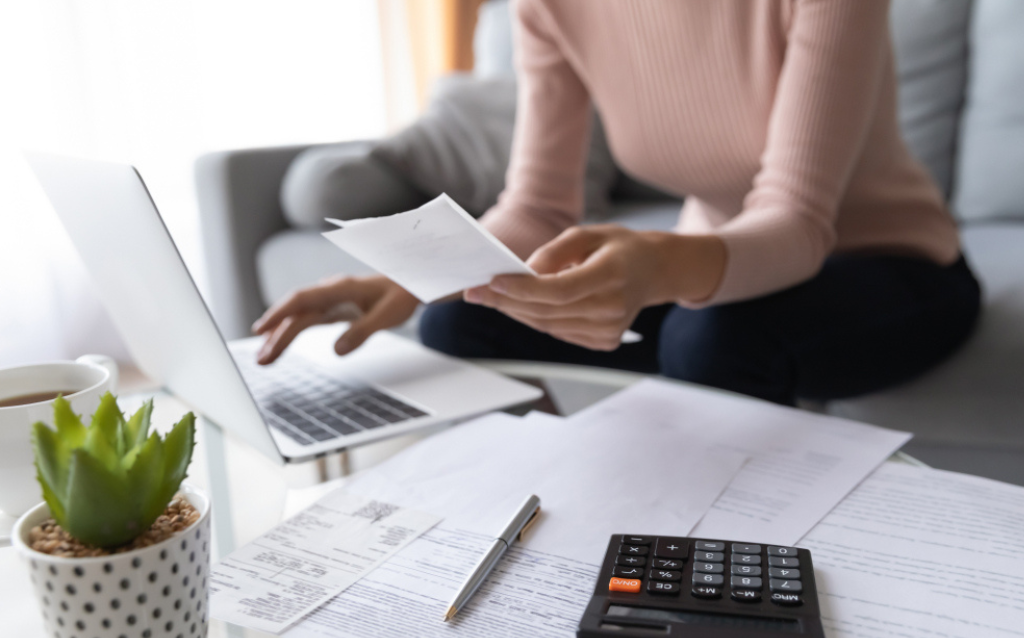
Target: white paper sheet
(801, 464)
(306, 560)
(433, 251)
(530, 593)
(921, 553)
(593, 480)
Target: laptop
(310, 402)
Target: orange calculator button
(629, 585)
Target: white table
(251, 493)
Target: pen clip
(529, 524)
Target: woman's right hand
(382, 303)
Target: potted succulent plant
(119, 547)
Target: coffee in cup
(26, 396)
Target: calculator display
(711, 620)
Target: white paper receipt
(433, 251)
(308, 559)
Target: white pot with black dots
(159, 591)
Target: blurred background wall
(156, 84)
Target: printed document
(306, 560)
(801, 464)
(593, 480)
(922, 553)
(530, 593)
(433, 251)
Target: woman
(814, 258)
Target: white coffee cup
(87, 379)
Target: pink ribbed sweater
(777, 120)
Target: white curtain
(156, 84)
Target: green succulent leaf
(178, 453)
(109, 421)
(137, 429)
(145, 477)
(70, 430)
(99, 507)
(107, 483)
(102, 449)
(50, 471)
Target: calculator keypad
(667, 547)
(745, 582)
(662, 563)
(709, 546)
(715, 580)
(746, 595)
(666, 563)
(663, 588)
(794, 586)
(633, 550)
(748, 559)
(746, 570)
(781, 551)
(707, 591)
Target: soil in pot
(50, 538)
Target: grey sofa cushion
(930, 43)
(345, 182)
(991, 158)
(295, 258)
(977, 396)
(292, 259)
(462, 142)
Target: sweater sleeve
(544, 184)
(822, 111)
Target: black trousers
(864, 323)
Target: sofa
(961, 72)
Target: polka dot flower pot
(154, 592)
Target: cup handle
(105, 362)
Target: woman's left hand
(593, 281)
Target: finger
(282, 336)
(593, 307)
(330, 294)
(298, 302)
(572, 247)
(386, 313)
(561, 288)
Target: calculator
(702, 588)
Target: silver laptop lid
(148, 291)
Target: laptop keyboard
(310, 406)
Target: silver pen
(516, 527)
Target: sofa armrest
(239, 208)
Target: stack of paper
(653, 459)
(801, 464)
(922, 553)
